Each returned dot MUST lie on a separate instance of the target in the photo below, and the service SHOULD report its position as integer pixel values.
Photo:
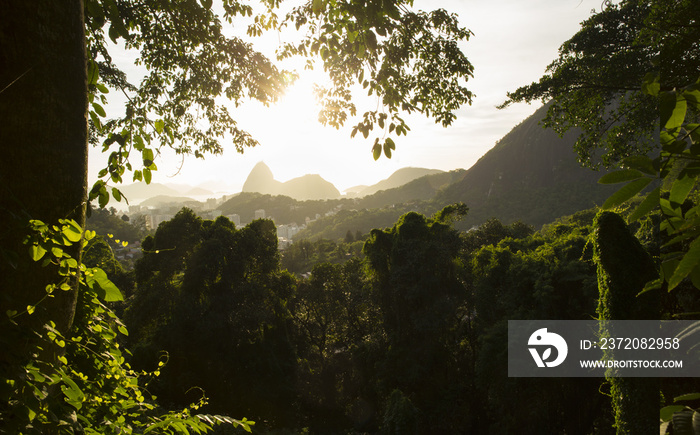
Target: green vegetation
(624, 267)
(408, 335)
(62, 370)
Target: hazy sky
(513, 42)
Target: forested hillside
(531, 174)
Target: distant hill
(198, 191)
(354, 190)
(307, 187)
(397, 179)
(138, 192)
(531, 175)
(420, 189)
(164, 200)
(282, 209)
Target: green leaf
(206, 3)
(690, 260)
(376, 151)
(692, 97)
(681, 188)
(651, 84)
(675, 146)
(317, 6)
(651, 285)
(96, 120)
(146, 175)
(116, 194)
(93, 73)
(99, 110)
(72, 234)
(389, 146)
(103, 197)
(672, 108)
(626, 192)
(37, 252)
(159, 125)
(620, 176)
(109, 292)
(692, 396)
(74, 395)
(668, 411)
(670, 210)
(147, 156)
(647, 205)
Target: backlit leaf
(159, 125)
(37, 252)
(667, 412)
(648, 204)
(620, 176)
(626, 192)
(105, 288)
(681, 188)
(672, 108)
(690, 260)
(376, 151)
(99, 110)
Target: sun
(299, 102)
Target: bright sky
(513, 42)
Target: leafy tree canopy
(596, 82)
(410, 60)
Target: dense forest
(401, 331)
(400, 328)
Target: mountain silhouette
(307, 187)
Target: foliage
(400, 416)
(633, 68)
(105, 222)
(544, 275)
(207, 288)
(98, 253)
(418, 292)
(90, 388)
(301, 256)
(594, 84)
(624, 267)
(336, 326)
(409, 59)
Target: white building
(236, 219)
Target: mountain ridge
(307, 187)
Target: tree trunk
(43, 138)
